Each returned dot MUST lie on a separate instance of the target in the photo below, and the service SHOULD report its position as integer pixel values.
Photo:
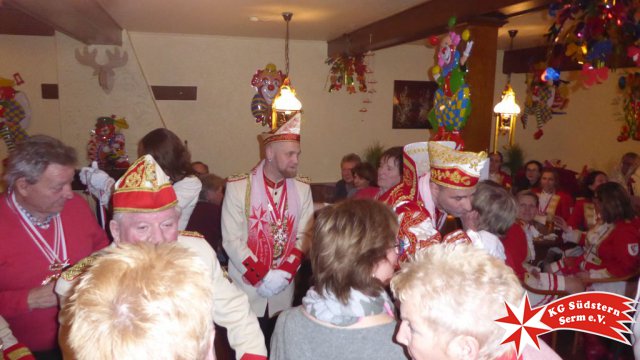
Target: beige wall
(585, 135)
(218, 126)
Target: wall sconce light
(507, 109)
(285, 104)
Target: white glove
(467, 49)
(274, 282)
(98, 182)
(263, 291)
(6, 336)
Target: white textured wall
(585, 135)
(218, 126)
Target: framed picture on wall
(412, 102)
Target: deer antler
(116, 59)
(105, 72)
(88, 58)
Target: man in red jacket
(45, 228)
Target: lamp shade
(286, 100)
(508, 104)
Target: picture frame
(412, 102)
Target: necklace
(42, 224)
(56, 255)
(278, 224)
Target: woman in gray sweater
(346, 314)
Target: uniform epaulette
(78, 269)
(191, 233)
(237, 177)
(303, 179)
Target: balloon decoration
(107, 144)
(547, 95)
(346, 71)
(629, 85)
(15, 112)
(591, 30)
(267, 84)
(452, 100)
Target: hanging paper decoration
(346, 71)
(15, 112)
(595, 30)
(452, 100)
(107, 144)
(369, 62)
(630, 87)
(267, 84)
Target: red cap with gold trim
(289, 131)
(144, 188)
(455, 169)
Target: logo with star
(523, 325)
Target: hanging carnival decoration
(592, 30)
(369, 62)
(452, 100)
(107, 143)
(346, 71)
(266, 82)
(15, 112)
(629, 85)
(547, 95)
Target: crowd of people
(186, 249)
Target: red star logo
(522, 318)
(257, 218)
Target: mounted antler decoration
(105, 72)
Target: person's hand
(584, 276)
(561, 223)
(550, 237)
(470, 220)
(535, 272)
(42, 297)
(574, 284)
(276, 281)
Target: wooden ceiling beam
(421, 21)
(522, 61)
(15, 22)
(83, 20)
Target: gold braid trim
(78, 269)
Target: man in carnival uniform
(144, 205)
(45, 227)
(264, 216)
(437, 181)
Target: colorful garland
(345, 71)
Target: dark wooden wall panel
(175, 92)
(49, 91)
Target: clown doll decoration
(452, 100)
(107, 144)
(15, 112)
(267, 84)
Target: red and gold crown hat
(144, 188)
(456, 169)
(289, 131)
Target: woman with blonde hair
(451, 295)
(346, 314)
